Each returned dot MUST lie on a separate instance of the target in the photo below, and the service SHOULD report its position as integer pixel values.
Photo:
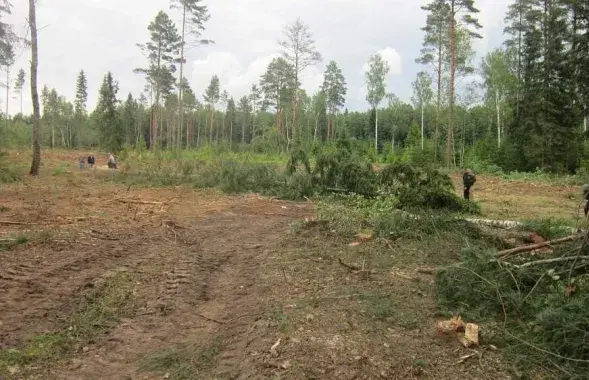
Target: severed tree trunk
(34, 93)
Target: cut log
(531, 247)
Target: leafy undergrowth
(532, 306)
(335, 171)
(8, 173)
(99, 311)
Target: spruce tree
(106, 116)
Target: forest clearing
(102, 279)
(252, 190)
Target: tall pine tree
(162, 51)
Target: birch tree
(375, 78)
(422, 95)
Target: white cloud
(236, 78)
(73, 36)
(389, 55)
(392, 57)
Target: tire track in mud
(210, 273)
(36, 296)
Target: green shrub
(7, 172)
(417, 187)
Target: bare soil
(218, 280)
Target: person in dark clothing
(91, 161)
(468, 180)
(585, 191)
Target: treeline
(527, 111)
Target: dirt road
(194, 259)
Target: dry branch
(16, 223)
(531, 247)
(555, 260)
(138, 201)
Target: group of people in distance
(91, 160)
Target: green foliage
(7, 173)
(106, 116)
(538, 311)
(422, 187)
(298, 156)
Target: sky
(102, 35)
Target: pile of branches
(533, 300)
(343, 171)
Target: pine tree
(212, 95)
(36, 162)
(194, 15)
(81, 94)
(106, 116)
(19, 85)
(516, 25)
(277, 84)
(255, 98)
(231, 117)
(468, 9)
(162, 51)
(81, 99)
(245, 108)
(334, 86)
(188, 100)
(435, 52)
(129, 119)
(223, 99)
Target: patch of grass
(548, 228)
(63, 168)
(8, 172)
(394, 308)
(185, 362)
(280, 320)
(99, 311)
(10, 243)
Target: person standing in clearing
(91, 161)
(82, 162)
(468, 180)
(585, 191)
(112, 163)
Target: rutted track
(38, 292)
(202, 273)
